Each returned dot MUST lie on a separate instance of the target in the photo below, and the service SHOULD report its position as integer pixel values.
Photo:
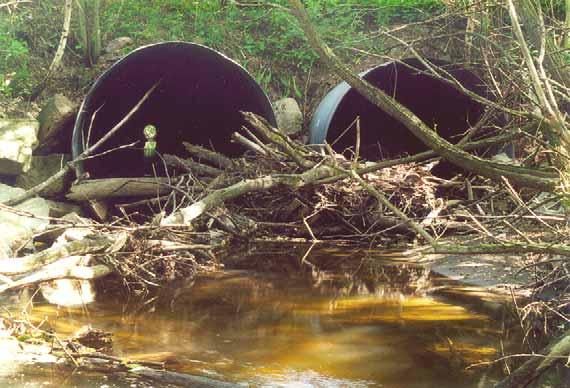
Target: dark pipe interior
(199, 99)
(438, 104)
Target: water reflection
(369, 323)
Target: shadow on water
(332, 318)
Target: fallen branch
(91, 244)
(201, 153)
(271, 135)
(190, 166)
(217, 197)
(94, 189)
(66, 268)
(249, 144)
(180, 379)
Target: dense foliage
(262, 36)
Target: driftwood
(217, 197)
(180, 379)
(73, 267)
(319, 170)
(119, 187)
(249, 144)
(214, 158)
(89, 245)
(191, 166)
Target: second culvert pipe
(438, 104)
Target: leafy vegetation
(14, 59)
(264, 37)
(260, 35)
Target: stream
(324, 318)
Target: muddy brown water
(333, 319)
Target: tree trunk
(90, 30)
(546, 70)
(530, 12)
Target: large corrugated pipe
(440, 105)
(198, 100)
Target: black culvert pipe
(198, 100)
(438, 104)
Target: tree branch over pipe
(518, 175)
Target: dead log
(94, 189)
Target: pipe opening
(439, 105)
(198, 100)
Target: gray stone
(42, 168)
(54, 233)
(18, 138)
(59, 209)
(17, 229)
(118, 44)
(504, 158)
(289, 116)
(54, 117)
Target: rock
(56, 124)
(54, 234)
(17, 229)
(288, 115)
(18, 138)
(504, 158)
(42, 168)
(60, 209)
(68, 292)
(118, 44)
(5, 250)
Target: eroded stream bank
(332, 318)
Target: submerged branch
(528, 372)
(504, 248)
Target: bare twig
(56, 63)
